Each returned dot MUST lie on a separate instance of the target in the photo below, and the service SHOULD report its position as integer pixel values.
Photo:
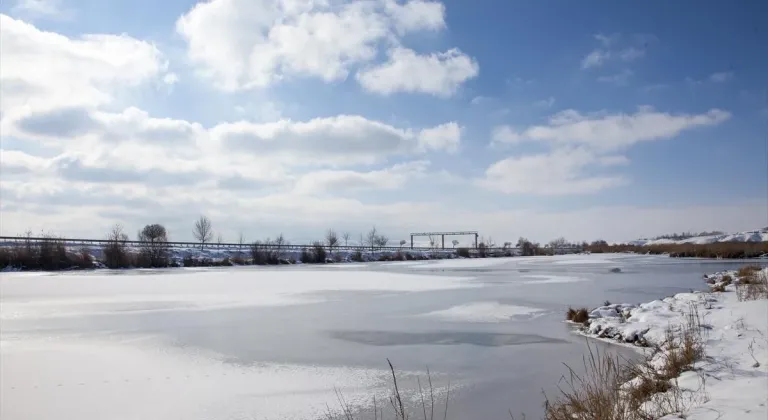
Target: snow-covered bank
(760, 235)
(728, 376)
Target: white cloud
(39, 7)
(319, 182)
(634, 48)
(171, 79)
(245, 44)
(604, 131)
(46, 69)
(416, 15)
(505, 135)
(618, 79)
(595, 59)
(446, 137)
(608, 40)
(631, 54)
(561, 172)
(545, 103)
(340, 140)
(721, 77)
(439, 74)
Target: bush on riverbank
(611, 388)
(732, 250)
(49, 254)
(579, 316)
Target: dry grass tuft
(615, 389)
(748, 270)
(580, 315)
(427, 407)
(753, 286)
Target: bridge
(8, 241)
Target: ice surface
(546, 278)
(467, 262)
(86, 379)
(483, 312)
(66, 295)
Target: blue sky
(536, 119)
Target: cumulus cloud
(244, 44)
(446, 137)
(46, 69)
(579, 145)
(319, 182)
(561, 172)
(344, 139)
(439, 74)
(605, 132)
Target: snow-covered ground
(760, 235)
(731, 381)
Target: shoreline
(725, 330)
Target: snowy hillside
(760, 235)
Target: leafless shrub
(345, 236)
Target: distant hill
(760, 235)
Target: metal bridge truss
(443, 234)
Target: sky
(546, 119)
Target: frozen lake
(274, 343)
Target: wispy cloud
(618, 79)
(595, 59)
(616, 47)
(721, 77)
(545, 103)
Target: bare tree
(345, 236)
(556, 244)
(371, 238)
(432, 242)
(241, 239)
(279, 243)
(527, 248)
(332, 239)
(382, 240)
(203, 230)
(455, 242)
(154, 245)
(219, 239)
(115, 255)
(402, 243)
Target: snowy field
(275, 343)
